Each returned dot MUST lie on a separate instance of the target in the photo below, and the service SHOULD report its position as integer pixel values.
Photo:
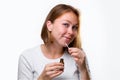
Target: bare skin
(79, 57)
(51, 70)
(63, 30)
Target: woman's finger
(54, 66)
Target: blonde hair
(56, 12)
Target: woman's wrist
(84, 75)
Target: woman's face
(64, 29)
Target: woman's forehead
(69, 17)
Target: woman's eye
(75, 27)
(66, 24)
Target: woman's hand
(79, 57)
(51, 70)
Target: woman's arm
(81, 61)
(24, 69)
(85, 73)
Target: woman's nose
(70, 30)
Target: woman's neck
(52, 51)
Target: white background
(20, 26)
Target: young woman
(61, 37)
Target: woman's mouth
(67, 39)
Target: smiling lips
(67, 39)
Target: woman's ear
(49, 25)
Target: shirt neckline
(48, 59)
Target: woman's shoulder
(31, 52)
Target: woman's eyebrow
(70, 22)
